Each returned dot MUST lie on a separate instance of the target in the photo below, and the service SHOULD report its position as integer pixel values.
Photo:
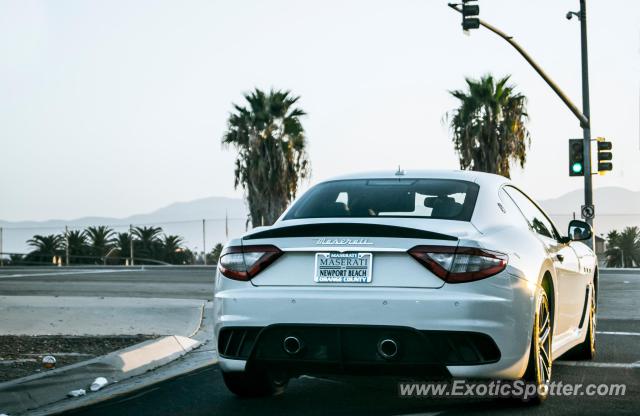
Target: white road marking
(18, 361)
(601, 365)
(69, 273)
(321, 379)
(631, 334)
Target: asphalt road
(203, 393)
(140, 282)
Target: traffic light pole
(586, 128)
(582, 116)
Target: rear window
(412, 198)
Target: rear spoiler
(347, 230)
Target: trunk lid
(382, 243)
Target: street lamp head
(571, 14)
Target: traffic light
(604, 155)
(468, 11)
(576, 157)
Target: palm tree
(122, 242)
(489, 126)
(148, 244)
(270, 141)
(45, 247)
(77, 244)
(100, 240)
(214, 256)
(16, 259)
(613, 253)
(623, 248)
(172, 247)
(188, 257)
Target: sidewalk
(43, 315)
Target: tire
(253, 384)
(587, 349)
(538, 370)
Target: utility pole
(131, 244)
(621, 255)
(1, 251)
(582, 116)
(66, 245)
(204, 245)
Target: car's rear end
(388, 277)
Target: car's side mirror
(579, 230)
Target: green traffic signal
(577, 167)
(576, 157)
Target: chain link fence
(197, 240)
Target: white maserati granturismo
(429, 274)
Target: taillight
(244, 262)
(460, 264)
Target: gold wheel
(542, 343)
(592, 322)
(538, 372)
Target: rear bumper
(500, 308)
(355, 349)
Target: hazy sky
(117, 107)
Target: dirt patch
(21, 356)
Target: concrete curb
(193, 361)
(32, 392)
(168, 357)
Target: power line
(120, 225)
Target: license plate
(343, 268)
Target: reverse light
(460, 264)
(245, 262)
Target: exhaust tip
(292, 345)
(388, 348)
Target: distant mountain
(609, 200)
(616, 208)
(182, 218)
